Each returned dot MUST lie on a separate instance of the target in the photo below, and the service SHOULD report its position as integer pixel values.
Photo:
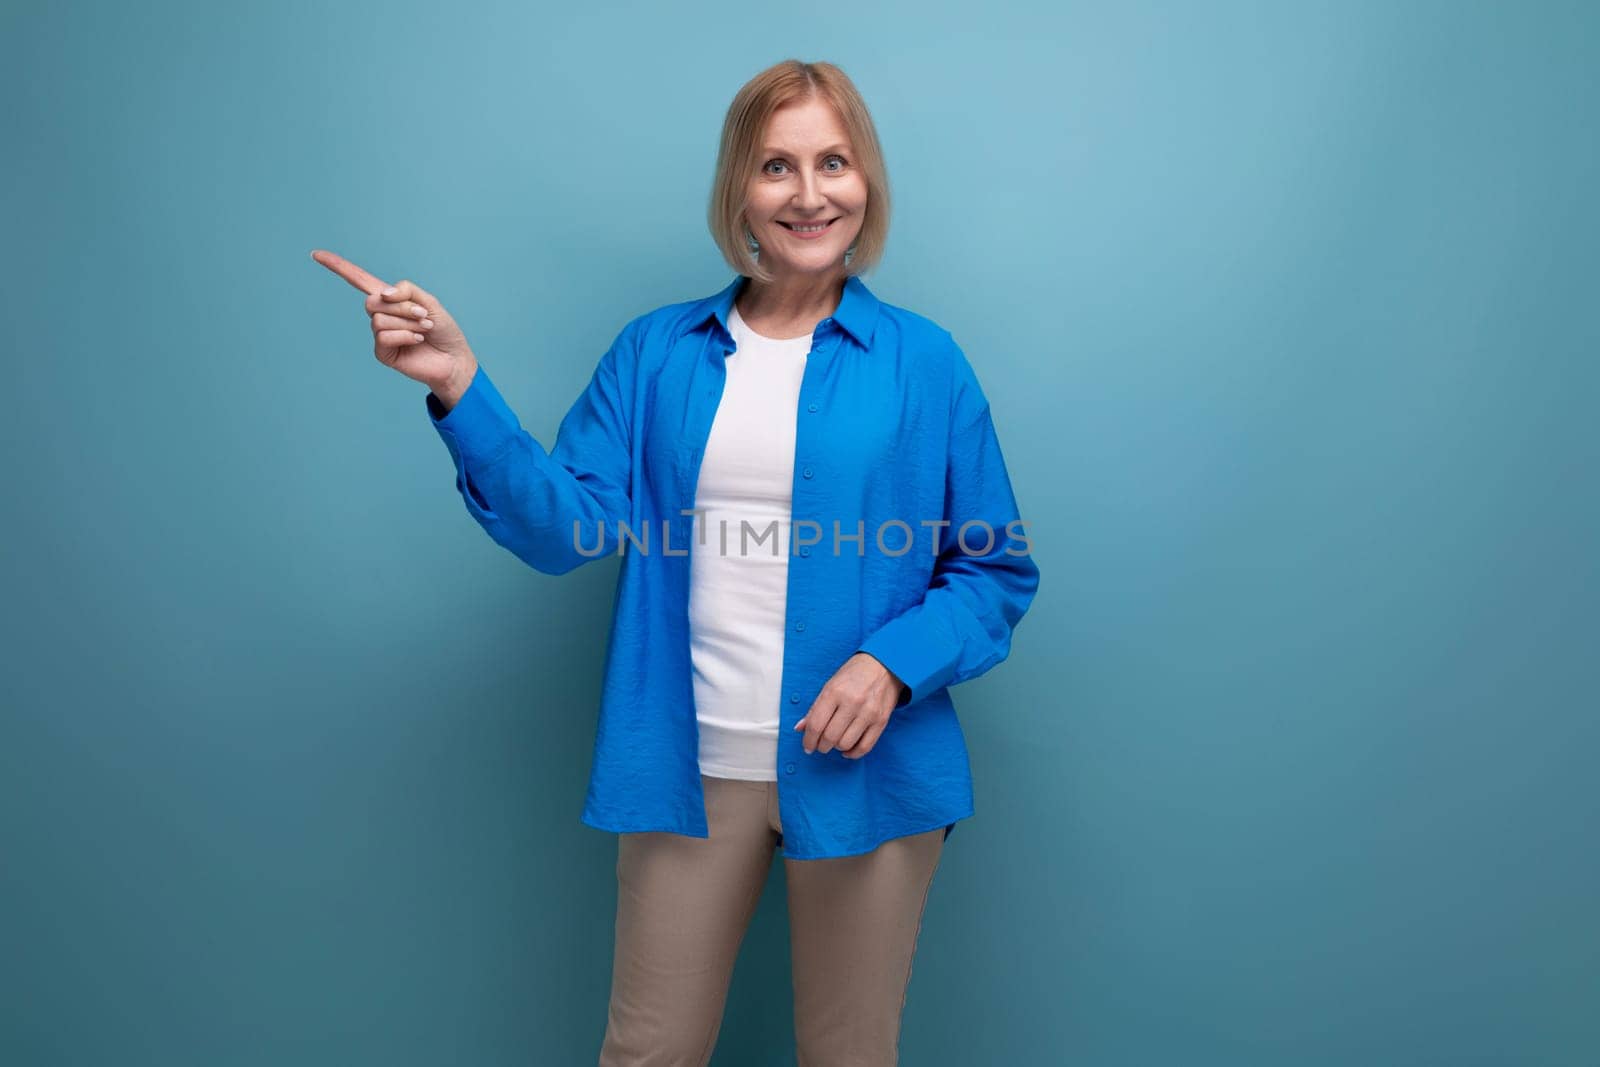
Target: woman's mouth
(806, 231)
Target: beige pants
(683, 904)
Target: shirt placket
(807, 491)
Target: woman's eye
(781, 163)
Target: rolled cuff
(481, 426)
(914, 657)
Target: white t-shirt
(738, 579)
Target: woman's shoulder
(944, 362)
(899, 324)
(656, 330)
(920, 336)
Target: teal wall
(1287, 315)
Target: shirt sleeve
(979, 592)
(545, 506)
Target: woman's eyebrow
(773, 150)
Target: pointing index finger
(367, 283)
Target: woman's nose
(810, 192)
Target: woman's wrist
(450, 393)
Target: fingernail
(390, 291)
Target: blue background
(1286, 313)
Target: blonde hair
(743, 131)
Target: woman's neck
(789, 308)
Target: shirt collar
(857, 311)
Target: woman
(835, 544)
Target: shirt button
(794, 698)
(806, 472)
(811, 407)
(788, 768)
(805, 551)
(801, 625)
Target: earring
(751, 242)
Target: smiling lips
(808, 233)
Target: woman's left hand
(852, 709)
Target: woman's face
(808, 175)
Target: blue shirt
(893, 438)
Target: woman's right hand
(411, 331)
